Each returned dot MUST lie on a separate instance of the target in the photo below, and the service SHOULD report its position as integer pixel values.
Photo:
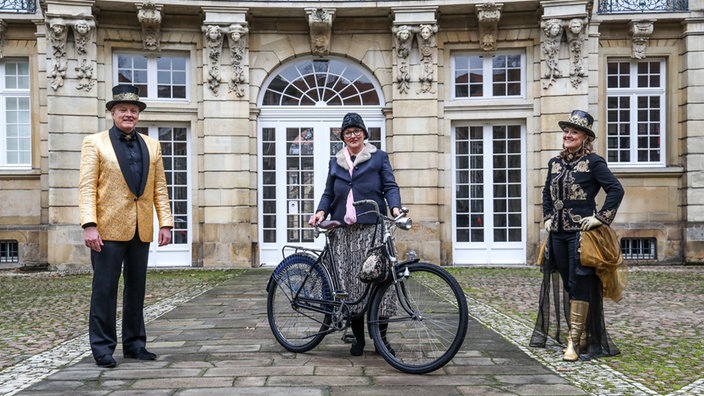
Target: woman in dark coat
(574, 179)
(358, 171)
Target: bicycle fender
(285, 262)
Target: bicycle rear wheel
(296, 309)
(422, 329)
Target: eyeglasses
(351, 132)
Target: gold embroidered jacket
(571, 188)
(106, 198)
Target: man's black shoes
(141, 354)
(105, 361)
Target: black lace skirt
(553, 314)
(349, 245)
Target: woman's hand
(316, 218)
(590, 222)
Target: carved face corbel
(237, 38)
(320, 25)
(641, 31)
(82, 34)
(488, 15)
(149, 16)
(214, 36)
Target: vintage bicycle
(419, 332)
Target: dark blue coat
(571, 189)
(372, 178)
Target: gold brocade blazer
(106, 198)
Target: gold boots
(578, 321)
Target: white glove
(590, 222)
(548, 223)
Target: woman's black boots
(357, 326)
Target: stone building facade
(246, 98)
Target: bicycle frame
(339, 301)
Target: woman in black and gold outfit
(574, 179)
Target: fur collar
(365, 155)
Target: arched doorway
(302, 104)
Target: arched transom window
(321, 82)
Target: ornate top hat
(125, 94)
(579, 119)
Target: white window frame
(6, 93)
(488, 251)
(152, 74)
(487, 73)
(633, 92)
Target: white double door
(293, 162)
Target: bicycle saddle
(329, 224)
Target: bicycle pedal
(341, 294)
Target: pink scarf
(351, 213)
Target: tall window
(160, 78)
(635, 112)
(500, 75)
(15, 123)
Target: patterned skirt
(349, 245)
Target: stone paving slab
(219, 343)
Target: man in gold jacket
(122, 181)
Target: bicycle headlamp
(404, 223)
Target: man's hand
(548, 223)
(92, 238)
(164, 236)
(590, 222)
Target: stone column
(71, 114)
(228, 178)
(693, 140)
(413, 136)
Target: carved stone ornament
(488, 15)
(3, 36)
(403, 38)
(82, 35)
(551, 38)
(85, 75)
(320, 25)
(641, 31)
(427, 45)
(58, 32)
(237, 38)
(576, 30)
(213, 40)
(149, 16)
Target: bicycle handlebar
(401, 221)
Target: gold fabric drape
(600, 248)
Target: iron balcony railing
(18, 6)
(641, 6)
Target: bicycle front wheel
(296, 304)
(421, 327)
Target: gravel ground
(658, 325)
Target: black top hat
(125, 94)
(579, 119)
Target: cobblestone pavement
(217, 341)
